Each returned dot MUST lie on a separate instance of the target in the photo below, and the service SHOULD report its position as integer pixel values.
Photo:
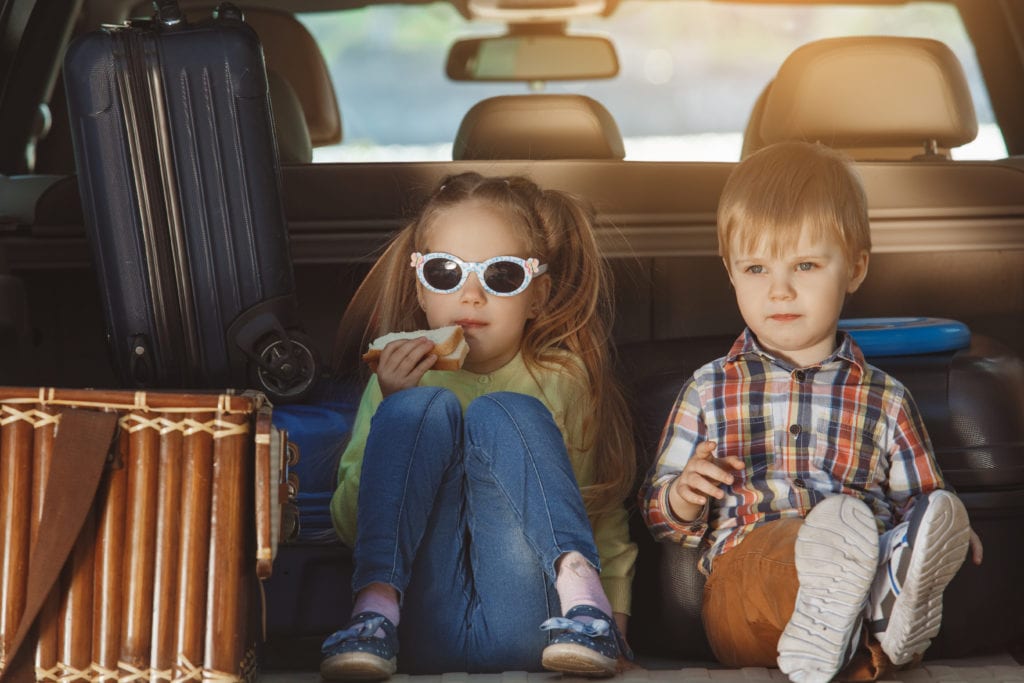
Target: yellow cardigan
(557, 391)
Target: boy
(809, 470)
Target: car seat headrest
(293, 143)
(538, 127)
(291, 51)
(875, 97)
(752, 140)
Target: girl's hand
(975, 547)
(402, 364)
(701, 477)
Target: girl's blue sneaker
(357, 653)
(584, 648)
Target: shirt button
(485, 379)
(800, 375)
(799, 483)
(794, 429)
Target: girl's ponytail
(385, 301)
(577, 318)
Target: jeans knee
(511, 423)
(419, 405)
(504, 408)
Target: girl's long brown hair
(558, 229)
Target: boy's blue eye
(805, 266)
(756, 270)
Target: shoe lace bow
(364, 629)
(595, 629)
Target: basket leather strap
(80, 450)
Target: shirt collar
(515, 367)
(747, 346)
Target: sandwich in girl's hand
(450, 346)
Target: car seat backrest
(291, 51)
(874, 97)
(561, 126)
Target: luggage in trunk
(177, 526)
(181, 192)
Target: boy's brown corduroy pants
(749, 598)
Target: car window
(690, 72)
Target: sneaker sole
(575, 659)
(938, 551)
(357, 666)
(836, 561)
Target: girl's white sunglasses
(501, 276)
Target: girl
(465, 495)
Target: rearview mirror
(532, 57)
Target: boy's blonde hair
(557, 229)
(778, 191)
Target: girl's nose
(472, 291)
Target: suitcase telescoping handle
(168, 13)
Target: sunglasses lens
(441, 273)
(504, 277)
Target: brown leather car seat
(874, 97)
(291, 51)
(549, 126)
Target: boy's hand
(402, 364)
(702, 477)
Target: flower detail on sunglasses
(417, 260)
(531, 266)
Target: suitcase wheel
(287, 368)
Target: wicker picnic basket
(134, 529)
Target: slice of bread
(450, 346)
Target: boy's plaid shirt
(841, 427)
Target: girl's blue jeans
(466, 516)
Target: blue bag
(320, 430)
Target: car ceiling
(121, 9)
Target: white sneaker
(937, 539)
(836, 560)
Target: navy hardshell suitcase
(181, 191)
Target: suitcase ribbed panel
(141, 84)
(115, 154)
(236, 236)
